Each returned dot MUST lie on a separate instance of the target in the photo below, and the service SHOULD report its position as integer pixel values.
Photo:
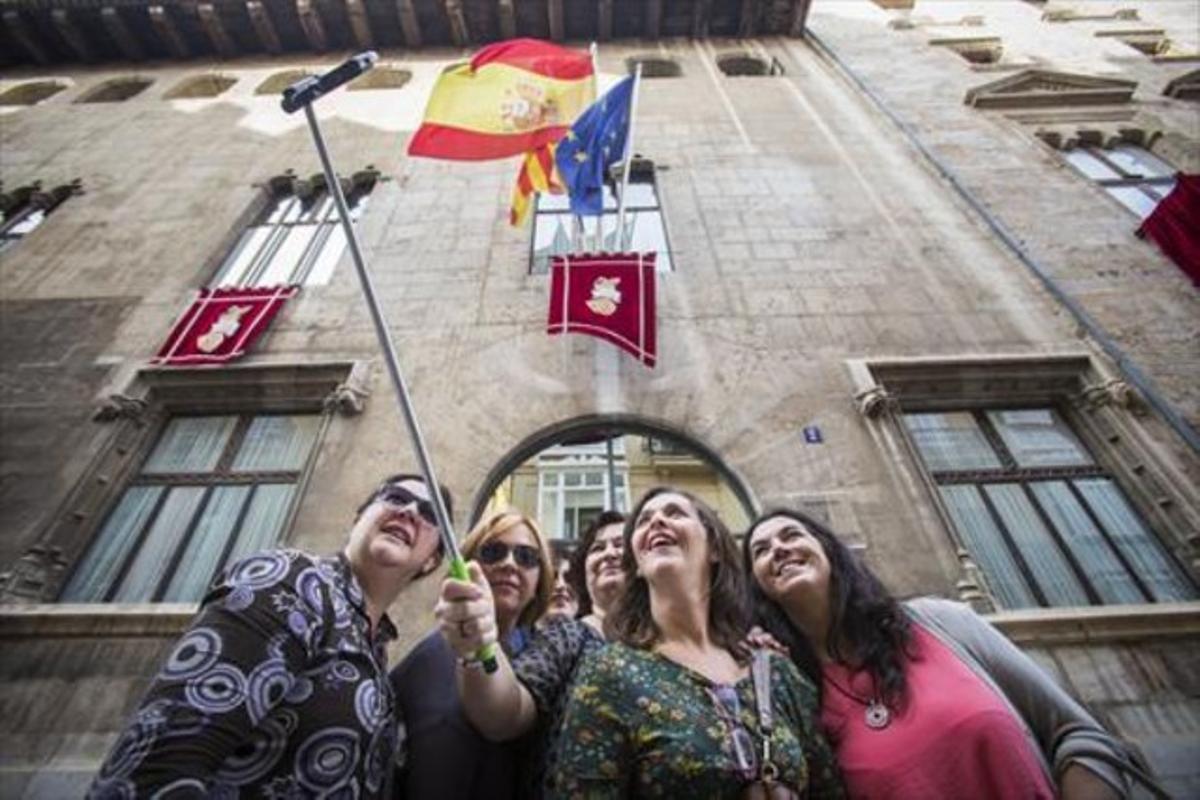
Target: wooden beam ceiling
(71, 34)
(360, 24)
(120, 33)
(268, 37)
(310, 21)
(24, 36)
(168, 31)
(210, 19)
(409, 22)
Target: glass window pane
(26, 224)
(986, 545)
(1090, 165)
(113, 543)
(1135, 540)
(586, 498)
(648, 234)
(951, 441)
(288, 256)
(1135, 160)
(1102, 567)
(263, 527)
(641, 195)
(573, 479)
(160, 545)
(1039, 438)
(1045, 561)
(594, 479)
(190, 444)
(277, 442)
(549, 517)
(553, 202)
(332, 245)
(203, 550)
(1134, 199)
(286, 207)
(243, 257)
(551, 236)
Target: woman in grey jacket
(922, 699)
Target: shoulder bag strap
(760, 669)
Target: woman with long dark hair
(668, 709)
(924, 698)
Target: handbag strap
(760, 670)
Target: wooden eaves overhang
(51, 32)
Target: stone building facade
(888, 261)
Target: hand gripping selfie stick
(302, 94)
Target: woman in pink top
(923, 699)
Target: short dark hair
(864, 617)
(577, 577)
(728, 612)
(401, 477)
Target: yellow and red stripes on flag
(511, 98)
(538, 174)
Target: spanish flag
(511, 98)
(538, 174)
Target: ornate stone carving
(1039, 88)
(873, 402)
(32, 575)
(120, 406)
(349, 398)
(1115, 392)
(970, 586)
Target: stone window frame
(741, 64)
(116, 90)
(1107, 414)
(382, 77)
(201, 87)
(654, 66)
(137, 417)
(32, 93)
(276, 82)
(18, 205)
(976, 50)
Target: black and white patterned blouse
(547, 668)
(277, 690)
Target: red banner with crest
(221, 324)
(609, 296)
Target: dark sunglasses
(729, 709)
(399, 497)
(526, 556)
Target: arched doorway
(566, 474)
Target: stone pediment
(1039, 88)
(1184, 87)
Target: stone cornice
(1098, 624)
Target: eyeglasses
(729, 709)
(526, 556)
(400, 497)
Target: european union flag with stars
(595, 142)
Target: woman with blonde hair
(446, 756)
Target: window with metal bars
(1045, 522)
(298, 239)
(556, 231)
(1133, 175)
(25, 209)
(211, 490)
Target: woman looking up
(921, 699)
(667, 709)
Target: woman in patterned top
(530, 692)
(667, 709)
(279, 688)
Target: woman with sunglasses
(530, 692)
(446, 756)
(668, 709)
(279, 687)
(920, 699)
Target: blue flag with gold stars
(595, 142)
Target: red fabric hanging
(221, 324)
(1174, 225)
(606, 295)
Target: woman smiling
(667, 709)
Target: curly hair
(728, 612)
(867, 626)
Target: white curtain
(277, 443)
(160, 544)
(1039, 438)
(1104, 570)
(986, 545)
(951, 441)
(190, 444)
(202, 552)
(1045, 561)
(264, 519)
(112, 546)
(1137, 543)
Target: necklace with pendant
(876, 716)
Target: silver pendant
(877, 715)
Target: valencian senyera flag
(511, 98)
(595, 142)
(538, 174)
(609, 296)
(221, 324)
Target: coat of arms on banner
(221, 324)
(606, 295)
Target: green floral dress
(640, 725)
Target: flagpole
(594, 49)
(304, 93)
(633, 102)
